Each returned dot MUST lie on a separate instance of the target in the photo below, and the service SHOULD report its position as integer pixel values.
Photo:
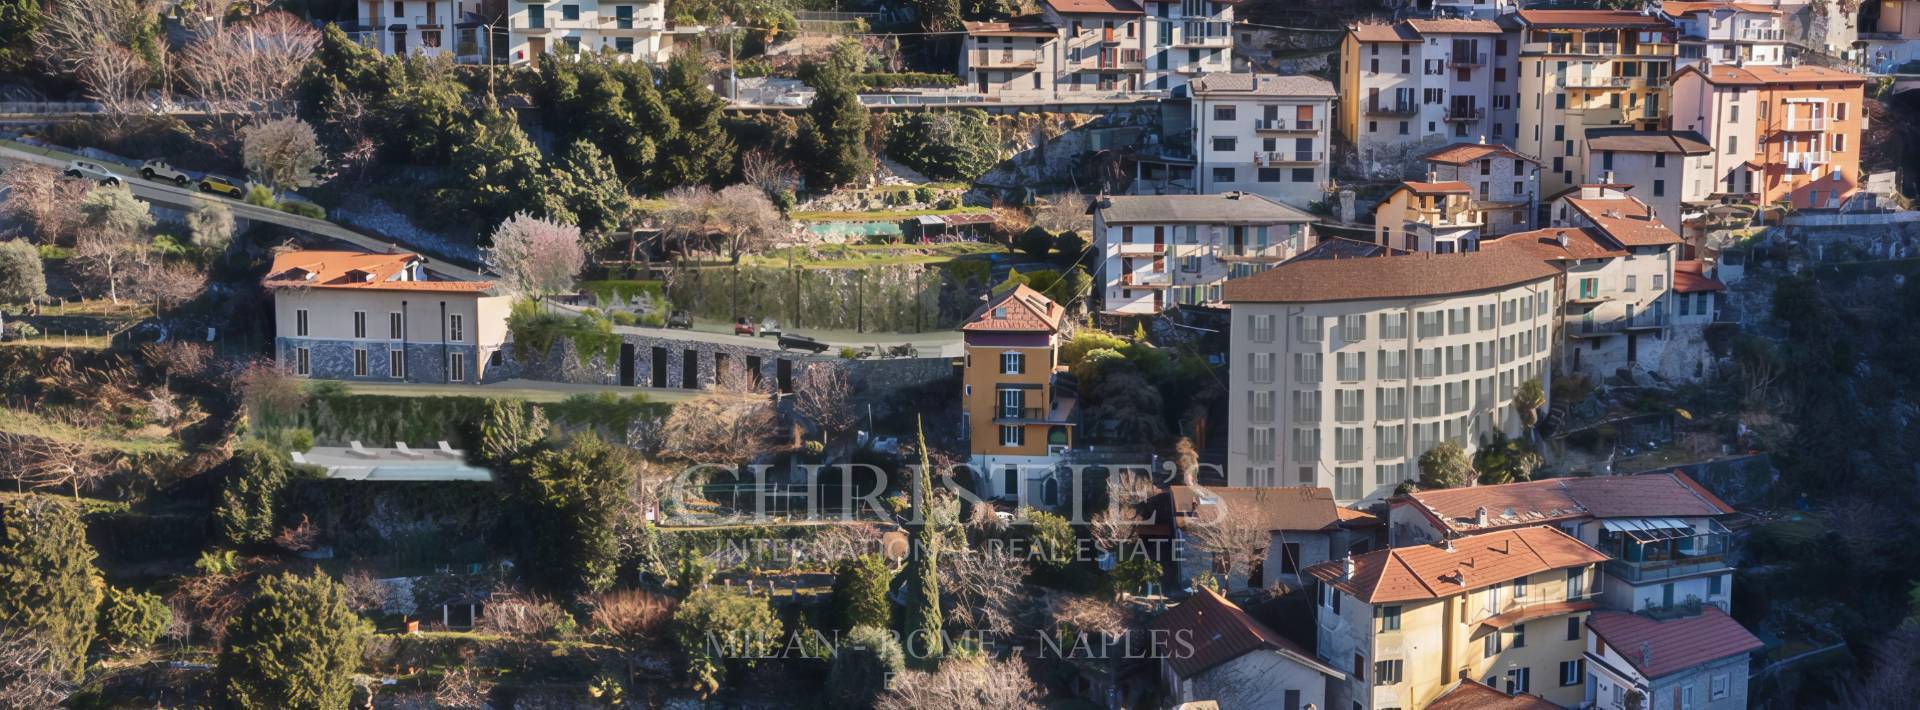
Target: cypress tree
(48, 585)
(922, 636)
(837, 134)
(702, 152)
(250, 500)
(295, 645)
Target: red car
(742, 326)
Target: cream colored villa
(1345, 371)
(343, 315)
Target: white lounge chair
(401, 447)
(447, 449)
(356, 449)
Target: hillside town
(925, 354)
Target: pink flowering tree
(536, 257)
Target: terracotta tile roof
(1280, 85)
(1220, 631)
(1631, 141)
(1449, 187)
(356, 270)
(1455, 26)
(1729, 75)
(1660, 648)
(1646, 495)
(1019, 310)
(1590, 18)
(1295, 508)
(1691, 277)
(1356, 518)
(1625, 220)
(1556, 243)
(1687, 8)
(1529, 613)
(1422, 572)
(1100, 7)
(1223, 208)
(1381, 32)
(1411, 276)
(1016, 27)
(1463, 153)
(1474, 695)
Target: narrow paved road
(183, 197)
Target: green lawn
(842, 256)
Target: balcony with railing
(1003, 59)
(1638, 114)
(1806, 160)
(1800, 124)
(1761, 34)
(1288, 157)
(1590, 81)
(1601, 49)
(1281, 125)
(1109, 60)
(1465, 113)
(1205, 33)
(1407, 108)
(1655, 549)
(1141, 248)
(1060, 413)
(1468, 61)
(1586, 325)
(1146, 279)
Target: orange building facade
(1019, 406)
(1780, 134)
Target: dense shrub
(535, 330)
(133, 620)
(48, 585)
(718, 624)
(944, 145)
(860, 592)
(304, 209)
(631, 615)
(296, 644)
(863, 664)
(250, 499)
(903, 80)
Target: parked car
(93, 171)
(161, 171)
(742, 326)
(790, 341)
(217, 185)
(681, 319)
(769, 327)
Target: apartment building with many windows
(1265, 134)
(1019, 406)
(1347, 370)
(1504, 185)
(1414, 85)
(376, 317)
(430, 28)
(1617, 263)
(624, 29)
(1011, 58)
(1737, 33)
(1506, 608)
(1101, 46)
(1781, 134)
(1187, 38)
(1893, 38)
(1428, 216)
(1159, 251)
(1585, 68)
(1670, 171)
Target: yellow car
(214, 184)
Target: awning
(930, 220)
(1649, 529)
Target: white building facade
(1159, 251)
(625, 30)
(1347, 370)
(1260, 133)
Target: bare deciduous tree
(282, 153)
(764, 170)
(43, 462)
(116, 79)
(113, 238)
(462, 689)
(750, 220)
(984, 587)
(718, 426)
(1235, 540)
(965, 685)
(1064, 211)
(46, 202)
(536, 257)
(74, 31)
(820, 394)
(245, 70)
(167, 285)
(27, 675)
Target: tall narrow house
(1020, 407)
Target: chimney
(1234, 195)
(1346, 206)
(1483, 139)
(1446, 543)
(1561, 238)
(1346, 567)
(1606, 177)
(1433, 176)
(1646, 653)
(1480, 516)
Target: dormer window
(999, 314)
